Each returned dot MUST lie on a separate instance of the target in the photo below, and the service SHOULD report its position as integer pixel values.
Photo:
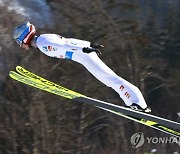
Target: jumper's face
(25, 46)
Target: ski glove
(89, 50)
(97, 46)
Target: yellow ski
(155, 122)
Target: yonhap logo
(137, 140)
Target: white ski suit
(68, 48)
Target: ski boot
(138, 108)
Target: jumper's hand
(97, 46)
(89, 50)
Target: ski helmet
(24, 33)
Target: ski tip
(11, 72)
(17, 67)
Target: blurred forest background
(142, 45)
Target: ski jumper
(68, 48)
